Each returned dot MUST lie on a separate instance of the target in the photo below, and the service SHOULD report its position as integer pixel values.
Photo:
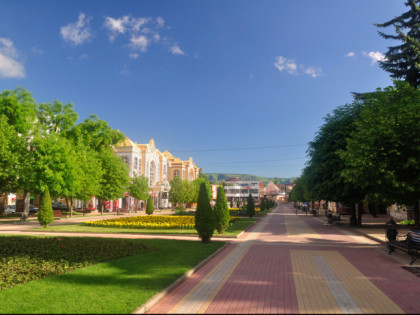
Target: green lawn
(237, 227)
(118, 286)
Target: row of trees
(367, 151)
(41, 148)
(183, 191)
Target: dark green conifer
(149, 206)
(250, 207)
(204, 217)
(45, 213)
(403, 61)
(221, 211)
(262, 205)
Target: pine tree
(250, 207)
(262, 205)
(403, 61)
(204, 217)
(149, 206)
(221, 211)
(231, 203)
(45, 213)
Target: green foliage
(56, 117)
(263, 205)
(196, 187)
(30, 258)
(224, 176)
(178, 192)
(250, 207)
(45, 213)
(149, 206)
(139, 187)
(403, 61)
(204, 217)
(231, 203)
(221, 211)
(238, 203)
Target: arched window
(183, 174)
(136, 163)
(125, 159)
(176, 173)
(191, 176)
(151, 173)
(164, 173)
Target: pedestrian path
(292, 263)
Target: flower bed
(157, 222)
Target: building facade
(239, 190)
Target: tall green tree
(204, 217)
(250, 207)
(178, 193)
(56, 117)
(221, 211)
(45, 213)
(403, 61)
(382, 151)
(149, 206)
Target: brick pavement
(292, 263)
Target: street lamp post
(26, 193)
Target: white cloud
(350, 54)
(141, 32)
(375, 56)
(116, 26)
(78, 32)
(124, 70)
(313, 72)
(139, 42)
(176, 50)
(9, 66)
(37, 51)
(291, 67)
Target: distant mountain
(224, 176)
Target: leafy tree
(403, 61)
(238, 204)
(45, 213)
(221, 211)
(382, 152)
(115, 179)
(139, 187)
(149, 206)
(177, 193)
(231, 203)
(204, 217)
(197, 183)
(250, 207)
(276, 181)
(56, 117)
(11, 152)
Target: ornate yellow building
(160, 168)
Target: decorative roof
(168, 155)
(126, 143)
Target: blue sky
(241, 86)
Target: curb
(157, 297)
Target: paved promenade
(290, 263)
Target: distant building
(239, 190)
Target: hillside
(223, 176)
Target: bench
(409, 243)
(333, 218)
(59, 214)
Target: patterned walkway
(295, 264)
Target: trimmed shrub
(250, 208)
(221, 211)
(204, 217)
(149, 206)
(45, 213)
(263, 205)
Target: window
(151, 173)
(176, 173)
(183, 174)
(136, 163)
(164, 172)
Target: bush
(45, 213)
(250, 208)
(149, 206)
(221, 211)
(204, 217)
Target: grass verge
(237, 227)
(114, 287)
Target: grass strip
(114, 287)
(237, 227)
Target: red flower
(62, 246)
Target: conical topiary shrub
(149, 206)
(250, 207)
(221, 211)
(204, 217)
(45, 213)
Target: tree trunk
(359, 213)
(353, 218)
(101, 206)
(69, 204)
(416, 215)
(25, 213)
